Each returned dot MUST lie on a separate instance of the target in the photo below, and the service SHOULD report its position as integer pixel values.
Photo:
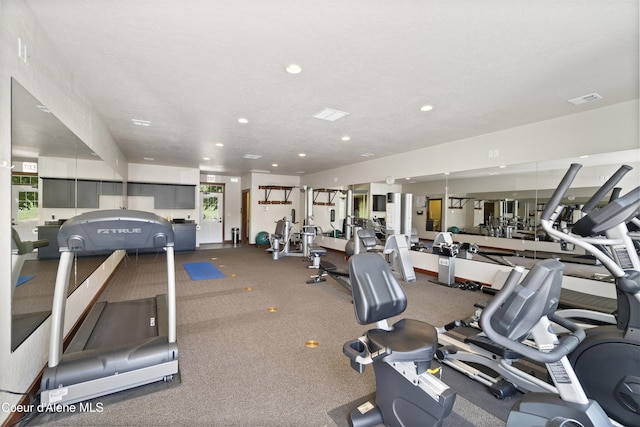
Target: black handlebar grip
(562, 188)
(566, 215)
(611, 182)
(615, 194)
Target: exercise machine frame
(74, 377)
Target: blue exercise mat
(24, 279)
(203, 271)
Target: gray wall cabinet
(61, 193)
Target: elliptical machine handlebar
(565, 345)
(560, 191)
(609, 185)
(620, 211)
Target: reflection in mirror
(489, 201)
(501, 207)
(50, 180)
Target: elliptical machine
(526, 309)
(614, 348)
(607, 362)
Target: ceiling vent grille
(330, 114)
(584, 99)
(251, 156)
(140, 122)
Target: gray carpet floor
(243, 358)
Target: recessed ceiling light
(251, 156)
(149, 159)
(301, 155)
(219, 144)
(426, 108)
(346, 138)
(140, 122)
(366, 154)
(243, 120)
(502, 166)
(206, 158)
(293, 69)
(584, 156)
(275, 165)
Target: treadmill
(104, 357)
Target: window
(27, 199)
(27, 205)
(211, 188)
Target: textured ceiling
(192, 68)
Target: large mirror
(507, 201)
(497, 207)
(501, 207)
(53, 172)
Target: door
(211, 218)
(434, 215)
(246, 202)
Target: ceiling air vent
(140, 122)
(330, 114)
(584, 99)
(251, 156)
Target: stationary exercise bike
(407, 392)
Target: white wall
(46, 77)
(263, 217)
(608, 129)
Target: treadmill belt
(123, 323)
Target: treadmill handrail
(76, 231)
(115, 229)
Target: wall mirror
(47, 155)
(506, 201)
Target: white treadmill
(87, 369)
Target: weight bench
(316, 253)
(328, 268)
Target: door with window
(211, 215)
